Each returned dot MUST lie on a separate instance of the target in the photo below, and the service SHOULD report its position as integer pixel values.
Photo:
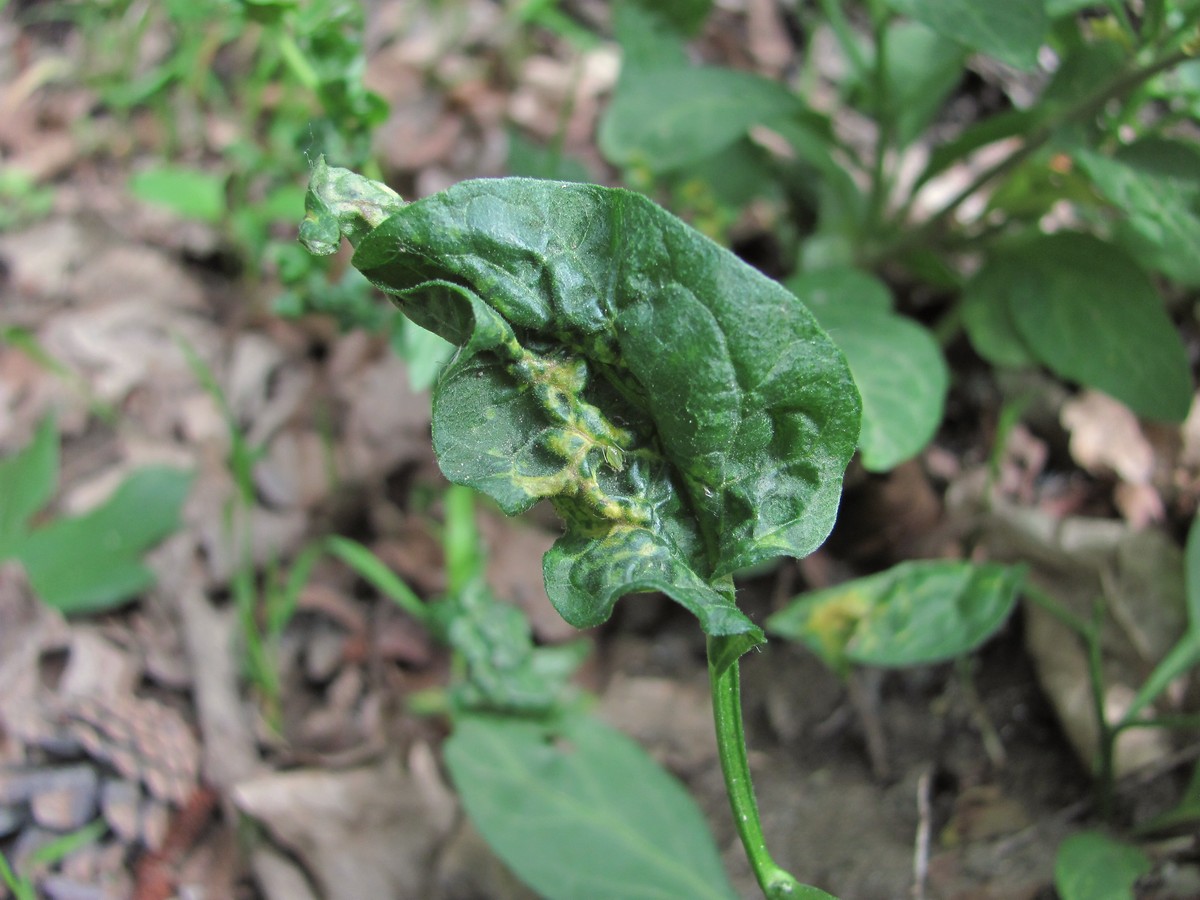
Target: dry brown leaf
(669, 718)
(126, 344)
(365, 832)
(1138, 574)
(1107, 438)
(296, 470)
(387, 423)
(41, 263)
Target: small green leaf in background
(1191, 562)
(22, 198)
(190, 193)
(986, 316)
(1088, 312)
(505, 672)
(28, 479)
(92, 562)
(1012, 30)
(1056, 9)
(582, 811)
(425, 352)
(896, 363)
(1092, 866)
(665, 119)
(1185, 654)
(532, 160)
(922, 69)
(683, 16)
(1155, 185)
(915, 613)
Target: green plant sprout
(1182, 657)
(686, 416)
(21, 885)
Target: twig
(924, 829)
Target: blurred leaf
(505, 672)
(915, 613)
(375, 572)
(1192, 575)
(682, 16)
(842, 292)
(1092, 866)
(92, 563)
(462, 544)
(648, 41)
(530, 160)
(425, 352)
(284, 203)
(22, 199)
(580, 811)
(1011, 31)
(986, 315)
(667, 118)
(979, 134)
(1057, 9)
(896, 363)
(1155, 184)
(190, 193)
(28, 479)
(922, 69)
(1088, 312)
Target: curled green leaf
(686, 415)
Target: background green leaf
(91, 562)
(914, 613)
(191, 193)
(1192, 575)
(1093, 866)
(921, 69)
(27, 482)
(896, 363)
(1090, 313)
(582, 811)
(665, 119)
(986, 316)
(1155, 184)
(1012, 31)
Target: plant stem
(776, 882)
(844, 33)
(1106, 740)
(885, 121)
(1120, 85)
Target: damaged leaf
(686, 416)
(914, 613)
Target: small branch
(924, 831)
(1117, 87)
